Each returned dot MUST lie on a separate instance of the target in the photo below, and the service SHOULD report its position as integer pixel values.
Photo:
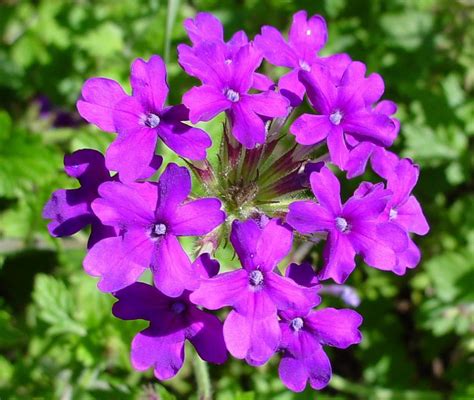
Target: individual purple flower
(344, 111)
(256, 291)
(361, 152)
(150, 218)
(306, 38)
(403, 208)
(303, 338)
(206, 28)
(353, 228)
(173, 320)
(70, 210)
(140, 119)
(226, 85)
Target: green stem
(203, 380)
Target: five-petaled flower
(150, 218)
(353, 228)
(256, 292)
(140, 119)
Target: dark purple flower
(306, 38)
(150, 218)
(256, 291)
(70, 210)
(140, 119)
(361, 152)
(226, 85)
(344, 111)
(303, 338)
(353, 228)
(403, 208)
(173, 320)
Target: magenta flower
(172, 322)
(70, 210)
(344, 111)
(353, 228)
(140, 119)
(403, 208)
(226, 85)
(256, 291)
(150, 218)
(306, 38)
(303, 338)
(206, 28)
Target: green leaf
(56, 306)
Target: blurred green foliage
(58, 338)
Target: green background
(58, 338)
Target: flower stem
(203, 381)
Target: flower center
(342, 224)
(308, 32)
(304, 66)
(393, 214)
(256, 278)
(157, 230)
(151, 120)
(232, 95)
(178, 307)
(336, 117)
(296, 324)
(228, 61)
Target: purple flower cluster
(264, 196)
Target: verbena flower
(226, 85)
(344, 111)
(140, 119)
(173, 320)
(150, 218)
(256, 292)
(353, 227)
(303, 338)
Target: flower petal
(309, 217)
(247, 127)
(311, 129)
(118, 261)
(172, 271)
(337, 328)
(275, 49)
(225, 289)
(288, 295)
(174, 187)
(205, 102)
(320, 89)
(208, 339)
(197, 217)
(255, 339)
(148, 81)
(338, 258)
(99, 97)
(307, 36)
(268, 104)
(125, 205)
(204, 27)
(274, 244)
(131, 154)
(139, 301)
(326, 188)
(165, 353)
(185, 140)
